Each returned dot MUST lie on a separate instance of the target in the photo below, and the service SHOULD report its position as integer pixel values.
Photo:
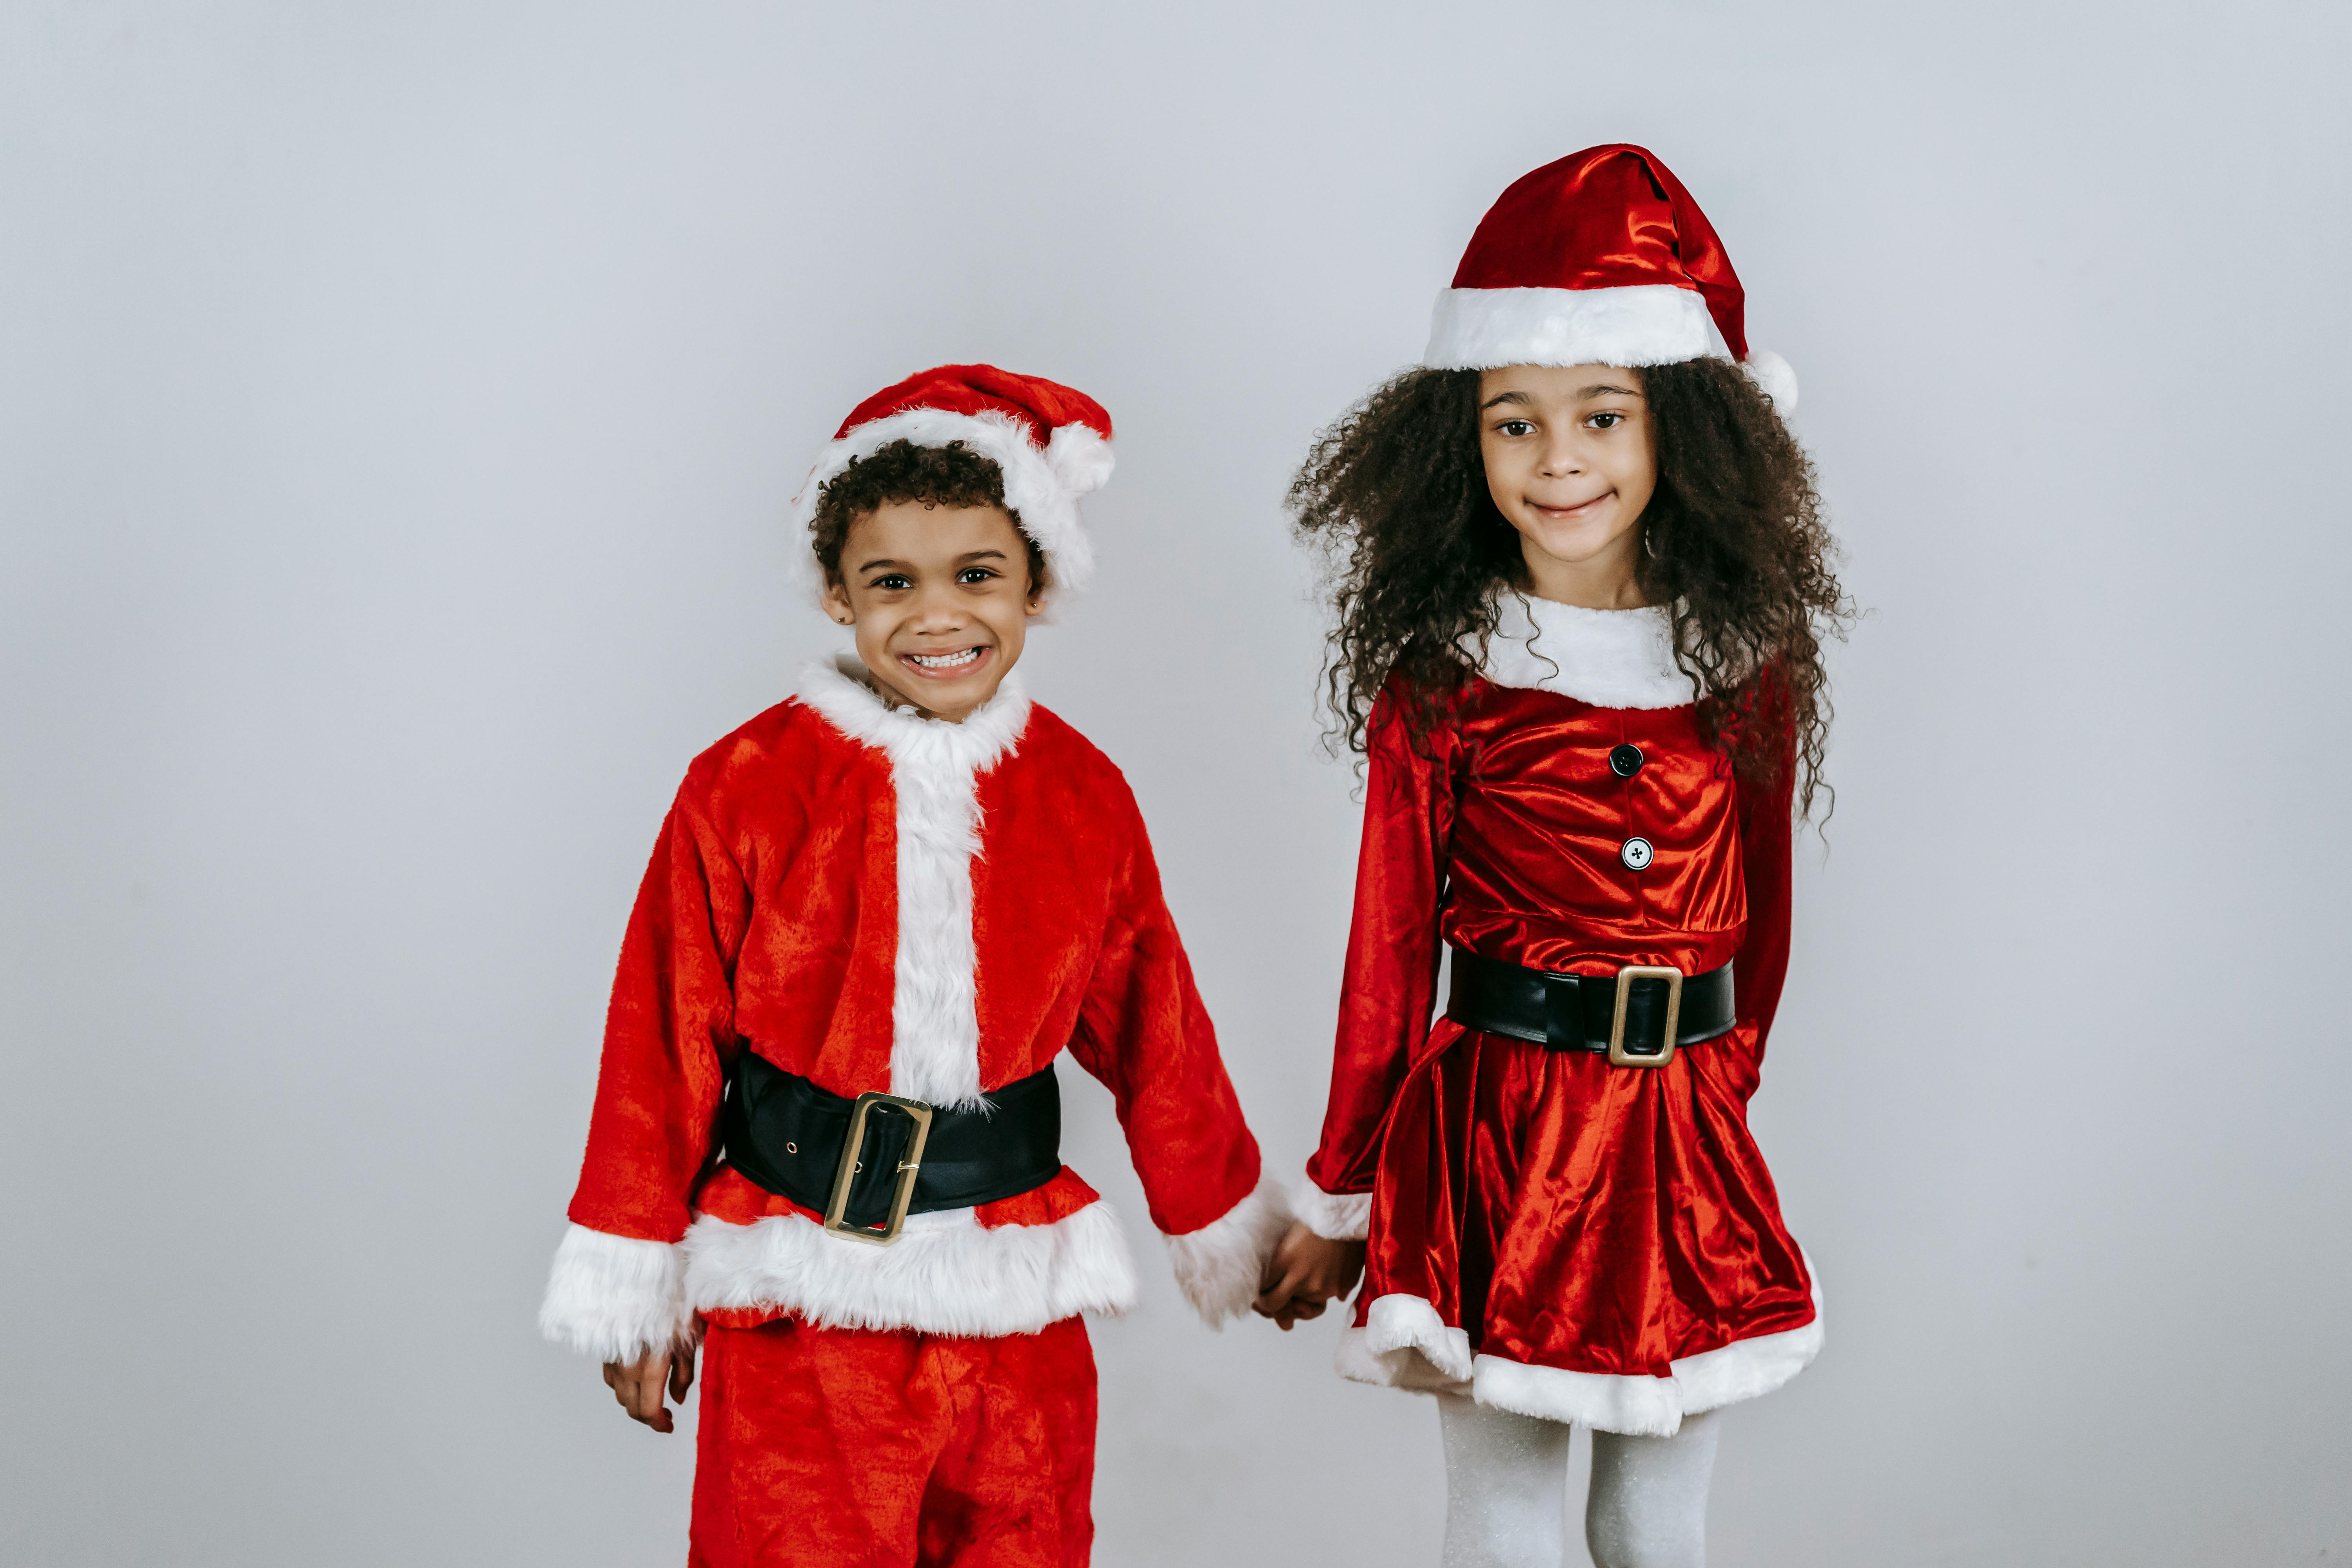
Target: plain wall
(398, 408)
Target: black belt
(1627, 1013)
(866, 1164)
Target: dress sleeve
(1391, 982)
(1144, 1033)
(617, 1288)
(1767, 838)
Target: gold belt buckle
(1618, 1054)
(837, 1205)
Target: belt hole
(860, 1165)
(791, 1148)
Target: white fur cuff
(1220, 1265)
(947, 1273)
(1334, 1217)
(613, 1297)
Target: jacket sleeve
(616, 1287)
(1390, 985)
(1766, 840)
(1143, 1032)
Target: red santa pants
(855, 1448)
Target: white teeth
(945, 660)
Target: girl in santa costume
(1581, 576)
(824, 1148)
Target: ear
(1036, 606)
(836, 600)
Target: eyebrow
(967, 556)
(1598, 389)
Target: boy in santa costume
(824, 1147)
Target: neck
(1606, 580)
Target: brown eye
(1515, 428)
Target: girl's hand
(639, 1385)
(1305, 1271)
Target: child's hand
(639, 1385)
(1305, 1271)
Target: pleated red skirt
(1578, 1240)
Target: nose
(1561, 455)
(936, 609)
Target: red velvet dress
(1546, 1232)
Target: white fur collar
(935, 768)
(845, 694)
(1611, 659)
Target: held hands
(1305, 1271)
(639, 1385)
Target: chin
(1576, 546)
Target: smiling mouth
(962, 662)
(1562, 513)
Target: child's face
(1572, 460)
(940, 598)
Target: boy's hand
(639, 1385)
(1305, 1271)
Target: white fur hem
(1404, 1345)
(1611, 659)
(1334, 1217)
(1636, 324)
(935, 768)
(946, 1274)
(1042, 485)
(1222, 1265)
(613, 1297)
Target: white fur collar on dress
(1611, 659)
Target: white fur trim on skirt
(1405, 1344)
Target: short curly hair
(953, 475)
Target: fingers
(1286, 1284)
(639, 1385)
(1289, 1257)
(1298, 1313)
(652, 1372)
(681, 1372)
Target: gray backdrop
(401, 403)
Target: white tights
(1506, 1492)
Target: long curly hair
(1395, 496)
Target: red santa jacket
(879, 901)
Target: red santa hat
(1600, 258)
(1053, 444)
